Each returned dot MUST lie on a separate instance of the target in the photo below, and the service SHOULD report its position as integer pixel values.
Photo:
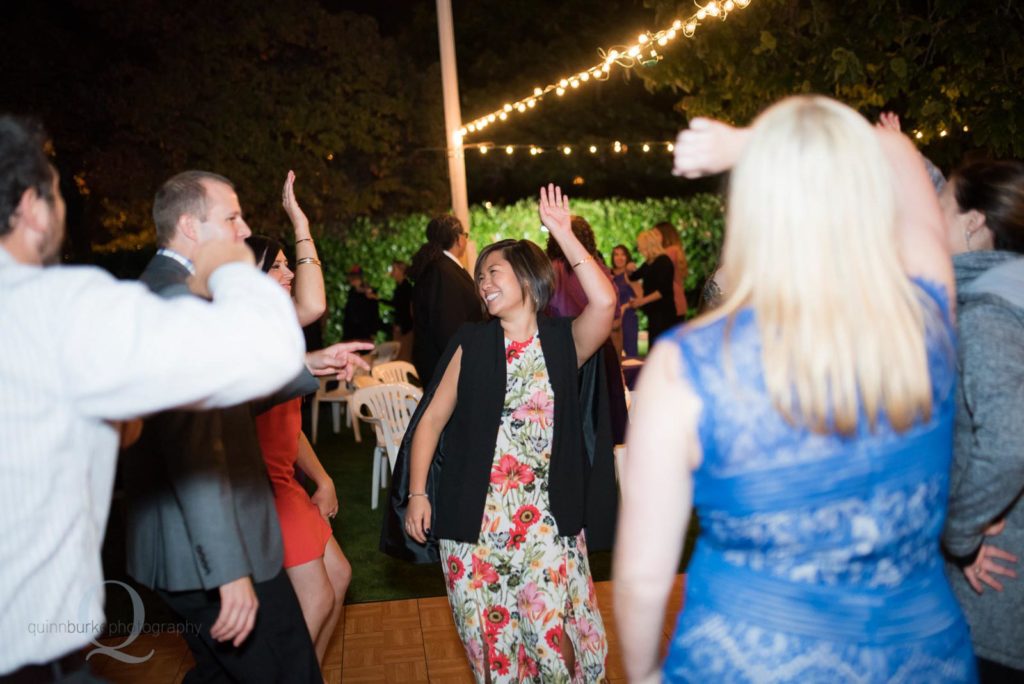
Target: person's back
(811, 414)
(823, 545)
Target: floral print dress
(522, 587)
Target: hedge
(374, 245)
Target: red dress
(303, 530)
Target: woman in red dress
(314, 561)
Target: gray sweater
(988, 454)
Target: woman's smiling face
(498, 286)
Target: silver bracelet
(423, 494)
(308, 260)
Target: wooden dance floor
(390, 641)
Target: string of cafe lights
(617, 147)
(643, 52)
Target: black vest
(582, 489)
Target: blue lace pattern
(818, 557)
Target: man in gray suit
(202, 528)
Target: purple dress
(630, 325)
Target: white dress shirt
(78, 348)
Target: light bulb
(507, 107)
(642, 38)
(593, 149)
(670, 147)
(559, 91)
(574, 83)
(634, 51)
(567, 150)
(663, 41)
(563, 82)
(503, 116)
(647, 148)
(483, 149)
(538, 91)
(508, 150)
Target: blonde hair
(649, 243)
(811, 247)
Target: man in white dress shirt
(79, 349)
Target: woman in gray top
(984, 535)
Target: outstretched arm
(310, 297)
(593, 326)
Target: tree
(144, 89)
(941, 64)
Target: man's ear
(30, 212)
(187, 226)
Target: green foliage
(939, 64)
(374, 245)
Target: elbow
(310, 312)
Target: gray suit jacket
(200, 508)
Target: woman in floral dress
(519, 583)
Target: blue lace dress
(818, 557)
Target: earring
(967, 239)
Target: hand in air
(890, 121)
(291, 207)
(707, 147)
(554, 210)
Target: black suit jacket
(443, 298)
(200, 508)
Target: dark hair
(583, 232)
(180, 195)
(996, 189)
(669, 234)
(23, 165)
(442, 232)
(265, 250)
(531, 267)
(624, 248)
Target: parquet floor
(390, 641)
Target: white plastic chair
(385, 352)
(337, 397)
(389, 409)
(394, 371)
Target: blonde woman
(808, 419)
(657, 274)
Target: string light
(640, 53)
(618, 147)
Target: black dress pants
(278, 649)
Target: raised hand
(554, 210)
(889, 120)
(291, 207)
(708, 147)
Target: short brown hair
(180, 195)
(531, 267)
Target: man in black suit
(202, 528)
(444, 294)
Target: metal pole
(452, 113)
